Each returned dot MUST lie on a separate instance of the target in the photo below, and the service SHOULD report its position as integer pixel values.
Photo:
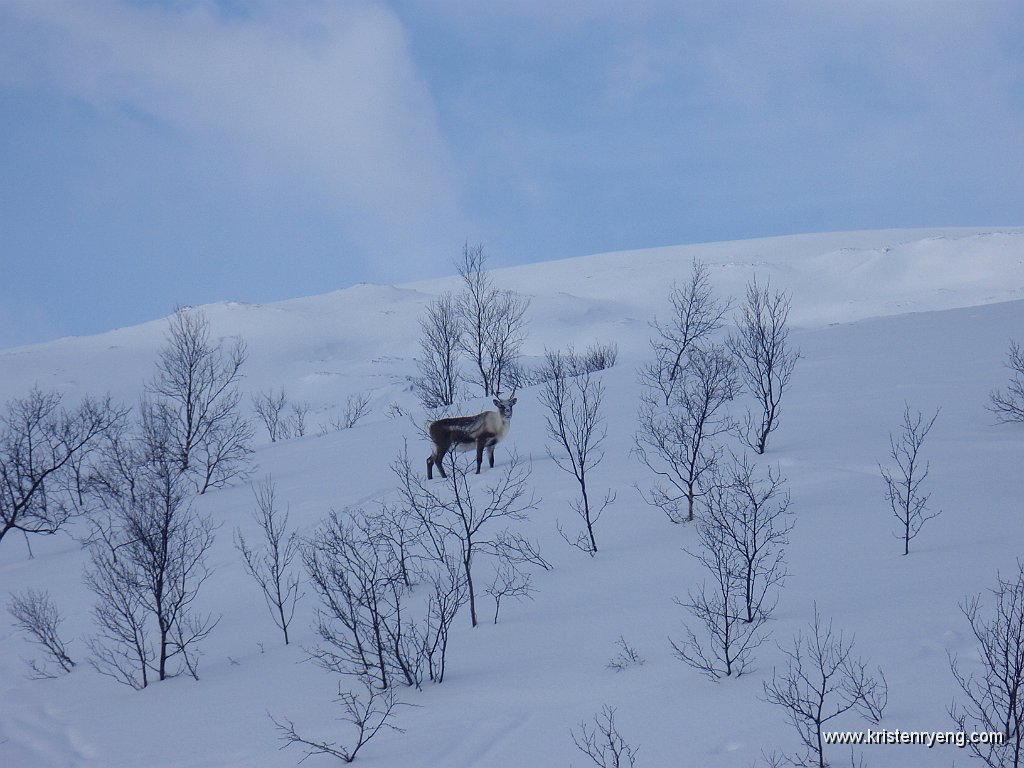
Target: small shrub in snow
(35, 615)
(603, 743)
(626, 657)
(356, 407)
(270, 407)
(297, 418)
(509, 581)
(369, 713)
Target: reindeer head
(505, 404)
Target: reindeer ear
(512, 401)
(498, 403)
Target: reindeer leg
(490, 454)
(480, 443)
(430, 467)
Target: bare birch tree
(149, 562)
(369, 713)
(603, 743)
(994, 686)
(572, 396)
(493, 323)
(1008, 406)
(362, 621)
(469, 524)
(822, 681)
(271, 565)
(696, 315)
(196, 384)
(35, 614)
(903, 483)
(42, 446)
(678, 442)
(270, 408)
(750, 514)
(441, 330)
(725, 645)
(369, 621)
(764, 357)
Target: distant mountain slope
(882, 320)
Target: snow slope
(881, 318)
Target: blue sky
(164, 152)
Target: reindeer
(461, 433)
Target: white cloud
(316, 93)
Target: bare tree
(509, 581)
(507, 335)
(271, 565)
(870, 690)
(1008, 406)
(440, 380)
(399, 528)
(149, 562)
(903, 483)
(297, 418)
(35, 614)
(369, 713)
(572, 397)
(995, 692)
(122, 649)
(466, 523)
(627, 657)
(196, 384)
(42, 447)
(361, 621)
(729, 640)
(822, 681)
(270, 408)
(696, 316)
(603, 743)
(447, 597)
(678, 441)
(356, 407)
(765, 358)
(493, 323)
(750, 515)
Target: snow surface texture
(880, 318)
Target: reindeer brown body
(462, 433)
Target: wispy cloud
(307, 93)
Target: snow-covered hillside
(922, 317)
